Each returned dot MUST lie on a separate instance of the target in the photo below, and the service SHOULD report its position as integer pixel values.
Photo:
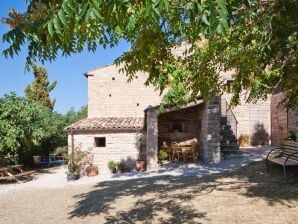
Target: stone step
(229, 148)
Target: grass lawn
(246, 195)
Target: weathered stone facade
(253, 119)
(211, 131)
(110, 95)
(283, 120)
(152, 140)
(120, 147)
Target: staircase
(228, 133)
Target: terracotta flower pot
(141, 165)
(92, 173)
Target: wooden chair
(177, 151)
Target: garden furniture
(287, 156)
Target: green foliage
(247, 37)
(291, 136)
(39, 90)
(75, 164)
(23, 125)
(72, 116)
(63, 151)
(162, 155)
(28, 128)
(112, 164)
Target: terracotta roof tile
(107, 123)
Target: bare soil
(245, 195)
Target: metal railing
(230, 116)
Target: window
(177, 126)
(229, 85)
(100, 141)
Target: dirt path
(247, 195)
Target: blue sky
(71, 90)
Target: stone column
(212, 135)
(152, 140)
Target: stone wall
(253, 119)
(293, 121)
(110, 95)
(278, 120)
(187, 117)
(119, 147)
(191, 119)
(283, 120)
(211, 131)
(152, 140)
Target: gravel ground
(56, 177)
(247, 194)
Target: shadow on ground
(171, 195)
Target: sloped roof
(107, 124)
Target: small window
(229, 85)
(100, 141)
(113, 78)
(177, 126)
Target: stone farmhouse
(118, 111)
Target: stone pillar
(152, 140)
(212, 115)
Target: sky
(71, 90)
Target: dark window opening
(113, 78)
(177, 126)
(100, 141)
(110, 95)
(138, 104)
(229, 85)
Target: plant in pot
(113, 166)
(75, 167)
(162, 155)
(291, 136)
(72, 171)
(141, 146)
(244, 140)
(92, 170)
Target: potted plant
(244, 140)
(113, 166)
(92, 170)
(291, 136)
(72, 172)
(162, 155)
(141, 146)
(75, 165)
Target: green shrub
(63, 151)
(291, 136)
(112, 164)
(162, 155)
(76, 163)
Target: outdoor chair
(177, 152)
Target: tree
(72, 116)
(247, 36)
(23, 126)
(39, 90)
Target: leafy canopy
(28, 128)
(248, 37)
